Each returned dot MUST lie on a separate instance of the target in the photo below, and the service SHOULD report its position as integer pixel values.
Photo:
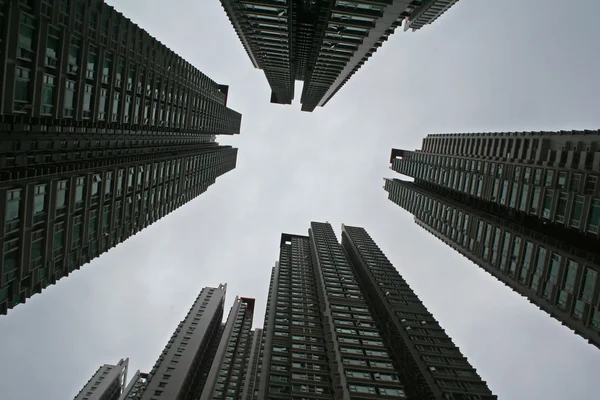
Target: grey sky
(483, 66)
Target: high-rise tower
(322, 43)
(525, 207)
(106, 384)
(205, 358)
(227, 375)
(103, 131)
(339, 326)
(181, 370)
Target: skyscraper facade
(181, 370)
(227, 375)
(205, 358)
(329, 334)
(523, 206)
(429, 363)
(103, 131)
(250, 391)
(322, 43)
(107, 383)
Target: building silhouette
(525, 207)
(103, 131)
(107, 383)
(322, 43)
(341, 323)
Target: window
(76, 231)
(572, 268)
(61, 194)
(362, 389)
(561, 207)
(386, 377)
(547, 204)
(594, 217)
(47, 94)
(108, 183)
(102, 104)
(115, 110)
(590, 184)
(87, 101)
(13, 201)
(37, 247)
(26, 35)
(69, 98)
(358, 374)
(79, 186)
(575, 182)
(59, 236)
(555, 261)
(74, 55)
(91, 63)
(589, 284)
(22, 78)
(39, 199)
(11, 260)
(96, 179)
(577, 211)
(392, 392)
(93, 224)
(106, 67)
(375, 353)
(549, 177)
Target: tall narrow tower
(181, 370)
(327, 335)
(103, 131)
(322, 43)
(205, 358)
(524, 206)
(107, 383)
(227, 375)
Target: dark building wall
(525, 206)
(430, 364)
(103, 130)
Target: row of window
(500, 146)
(553, 276)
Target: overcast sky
(483, 66)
